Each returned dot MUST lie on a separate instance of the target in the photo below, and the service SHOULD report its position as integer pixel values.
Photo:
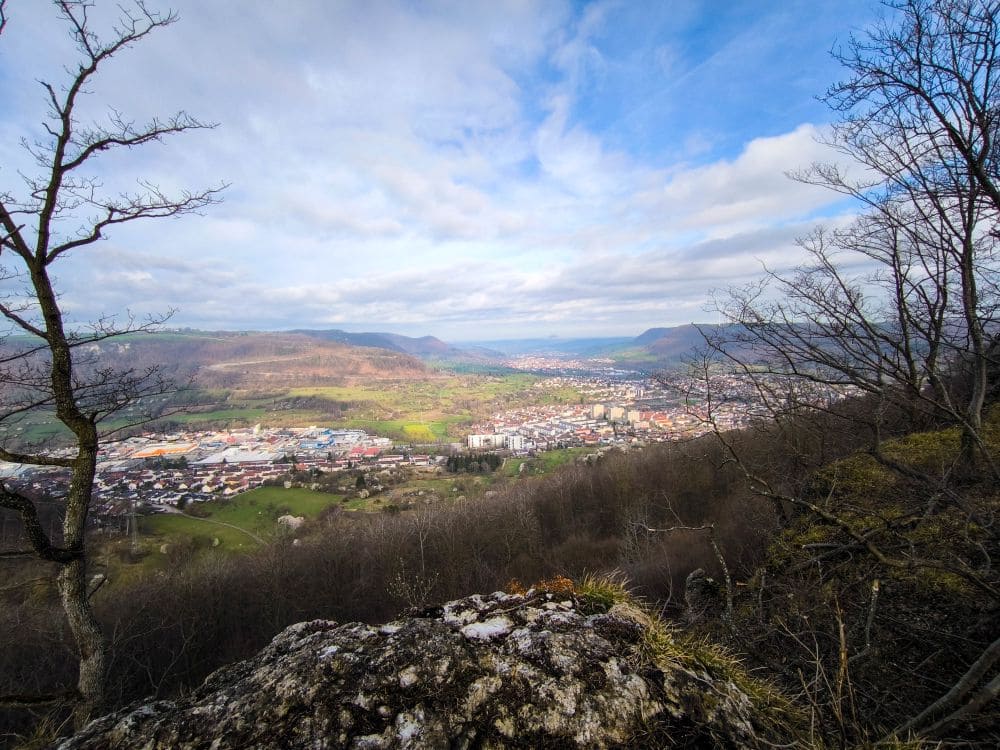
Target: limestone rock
(290, 521)
(497, 671)
(702, 596)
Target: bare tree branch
(921, 723)
(717, 551)
(56, 373)
(39, 540)
(15, 700)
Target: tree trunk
(89, 639)
(73, 588)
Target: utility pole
(133, 527)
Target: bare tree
(900, 308)
(919, 125)
(48, 366)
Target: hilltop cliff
(545, 669)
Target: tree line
(473, 463)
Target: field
(238, 523)
(433, 431)
(432, 410)
(237, 414)
(544, 462)
(429, 411)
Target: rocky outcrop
(538, 670)
(701, 596)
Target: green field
(436, 409)
(420, 411)
(273, 501)
(433, 431)
(545, 462)
(255, 512)
(41, 428)
(171, 528)
(636, 356)
(360, 504)
(237, 414)
(427, 393)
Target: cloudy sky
(472, 170)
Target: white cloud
(428, 165)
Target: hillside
(425, 347)
(671, 344)
(292, 379)
(666, 347)
(243, 360)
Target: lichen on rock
(541, 669)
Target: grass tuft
(599, 593)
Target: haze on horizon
(475, 171)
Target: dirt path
(241, 363)
(221, 523)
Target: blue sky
(473, 170)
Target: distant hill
(668, 347)
(576, 347)
(672, 344)
(654, 334)
(425, 347)
(253, 360)
(655, 347)
(248, 359)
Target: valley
(402, 437)
(416, 390)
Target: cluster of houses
(629, 412)
(190, 466)
(185, 467)
(544, 428)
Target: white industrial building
(497, 441)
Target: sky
(474, 170)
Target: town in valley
(169, 471)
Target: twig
(959, 690)
(28, 582)
(868, 623)
(16, 700)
